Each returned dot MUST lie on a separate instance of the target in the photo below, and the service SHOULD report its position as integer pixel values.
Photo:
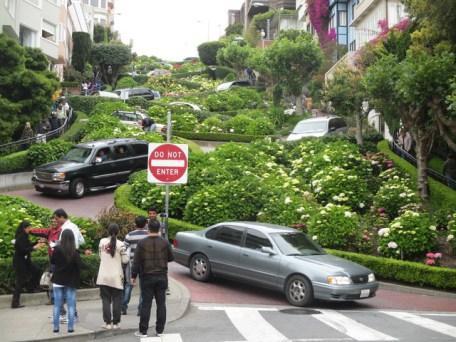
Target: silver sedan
(274, 257)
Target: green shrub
(335, 226)
(222, 72)
(452, 232)
(70, 84)
(238, 124)
(74, 134)
(107, 108)
(409, 236)
(184, 122)
(138, 101)
(126, 82)
(260, 126)
(86, 104)
(140, 79)
(212, 124)
(208, 52)
(14, 162)
(224, 101)
(404, 271)
(39, 154)
(209, 136)
(88, 274)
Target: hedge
(74, 133)
(218, 136)
(86, 104)
(121, 201)
(441, 195)
(88, 274)
(14, 162)
(404, 271)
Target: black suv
(92, 166)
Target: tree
(235, 56)
(102, 34)
(346, 92)
(110, 58)
(208, 52)
(293, 62)
(26, 87)
(82, 45)
(235, 29)
(416, 89)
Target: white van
(318, 127)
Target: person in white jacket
(111, 277)
(62, 219)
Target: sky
(171, 29)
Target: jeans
(70, 295)
(110, 295)
(153, 286)
(128, 288)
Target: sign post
(167, 165)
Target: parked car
(135, 119)
(193, 106)
(92, 166)
(231, 85)
(275, 257)
(146, 93)
(102, 93)
(318, 127)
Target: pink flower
(381, 210)
(437, 255)
(430, 255)
(430, 262)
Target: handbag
(45, 280)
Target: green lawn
(73, 132)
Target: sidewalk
(33, 323)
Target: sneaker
(140, 334)
(63, 319)
(116, 326)
(107, 326)
(70, 331)
(168, 292)
(123, 312)
(55, 331)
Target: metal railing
(23, 144)
(451, 183)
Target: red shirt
(51, 234)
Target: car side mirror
(268, 250)
(98, 160)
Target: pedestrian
(61, 218)
(449, 168)
(27, 274)
(85, 88)
(52, 235)
(27, 135)
(61, 115)
(66, 278)
(148, 125)
(110, 276)
(150, 262)
(131, 241)
(54, 121)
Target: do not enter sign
(167, 164)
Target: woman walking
(66, 278)
(22, 263)
(110, 276)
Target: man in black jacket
(151, 259)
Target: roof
(320, 118)
(264, 227)
(108, 142)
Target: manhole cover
(300, 311)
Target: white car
(108, 94)
(193, 106)
(230, 85)
(318, 127)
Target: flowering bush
(408, 236)
(212, 124)
(335, 226)
(339, 186)
(185, 122)
(108, 108)
(433, 259)
(238, 124)
(394, 194)
(451, 238)
(233, 99)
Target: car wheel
(200, 268)
(77, 188)
(299, 291)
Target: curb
(16, 181)
(416, 290)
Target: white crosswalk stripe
(163, 338)
(424, 322)
(350, 327)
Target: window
(353, 45)
(27, 37)
(61, 33)
(230, 235)
(121, 151)
(256, 240)
(140, 149)
(332, 22)
(104, 154)
(103, 3)
(94, 3)
(11, 6)
(212, 233)
(49, 31)
(342, 18)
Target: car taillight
(175, 243)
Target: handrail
(18, 145)
(412, 160)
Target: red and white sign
(167, 164)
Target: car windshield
(78, 154)
(309, 127)
(296, 243)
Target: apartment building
(47, 25)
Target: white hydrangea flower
(361, 205)
(348, 214)
(314, 237)
(402, 195)
(288, 200)
(392, 245)
(433, 228)
(383, 232)
(450, 237)
(326, 158)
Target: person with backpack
(110, 276)
(66, 278)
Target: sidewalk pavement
(33, 323)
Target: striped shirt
(132, 239)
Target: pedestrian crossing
(266, 324)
